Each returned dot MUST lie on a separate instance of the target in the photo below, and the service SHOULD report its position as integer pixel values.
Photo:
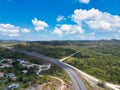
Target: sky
(35, 20)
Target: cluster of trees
(100, 59)
(49, 50)
(17, 68)
(29, 78)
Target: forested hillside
(98, 58)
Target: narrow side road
(61, 60)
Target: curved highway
(76, 81)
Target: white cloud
(39, 25)
(60, 18)
(84, 1)
(68, 29)
(92, 19)
(10, 30)
(12, 34)
(25, 30)
(97, 20)
(90, 36)
(57, 31)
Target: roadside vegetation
(30, 78)
(57, 72)
(98, 58)
(51, 49)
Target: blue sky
(59, 19)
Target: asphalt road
(76, 81)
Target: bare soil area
(55, 84)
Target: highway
(76, 81)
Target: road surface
(76, 81)
(61, 60)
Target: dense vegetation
(98, 58)
(49, 50)
(25, 79)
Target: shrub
(101, 84)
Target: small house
(12, 86)
(21, 61)
(11, 75)
(24, 71)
